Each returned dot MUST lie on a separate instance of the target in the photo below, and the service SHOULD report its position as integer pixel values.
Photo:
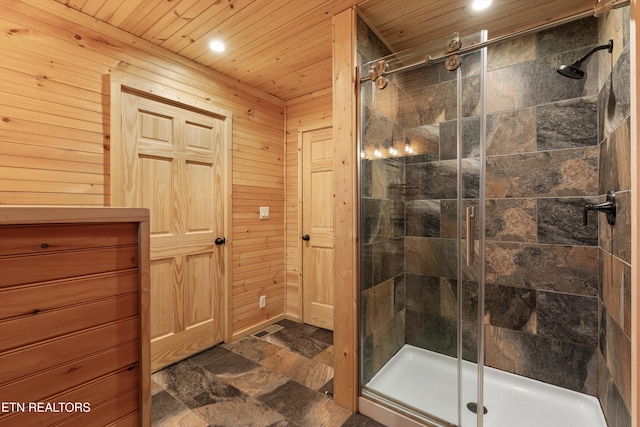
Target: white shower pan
(427, 382)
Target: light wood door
(317, 224)
(173, 159)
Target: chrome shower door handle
(471, 231)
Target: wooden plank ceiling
(283, 47)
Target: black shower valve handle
(608, 207)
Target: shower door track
(477, 46)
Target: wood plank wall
(54, 134)
(308, 112)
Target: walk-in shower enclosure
(475, 263)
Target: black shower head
(574, 71)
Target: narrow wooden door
(173, 166)
(317, 225)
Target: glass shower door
(420, 187)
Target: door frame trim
(119, 82)
(301, 131)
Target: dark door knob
(306, 237)
(220, 241)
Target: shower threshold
(426, 381)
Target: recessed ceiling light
(480, 4)
(216, 46)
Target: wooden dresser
(74, 304)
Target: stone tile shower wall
(382, 227)
(542, 167)
(430, 124)
(614, 355)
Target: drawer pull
(44, 246)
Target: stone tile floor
(281, 376)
